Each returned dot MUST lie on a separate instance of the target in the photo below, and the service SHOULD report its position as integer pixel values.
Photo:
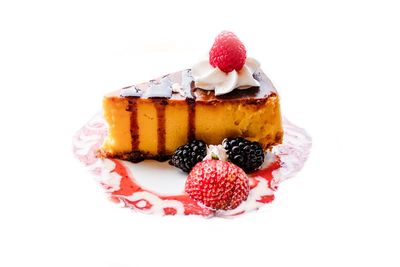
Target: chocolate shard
(131, 91)
(162, 89)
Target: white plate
(158, 188)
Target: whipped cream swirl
(216, 152)
(209, 78)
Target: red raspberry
(227, 53)
(217, 184)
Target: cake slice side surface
(254, 120)
(117, 116)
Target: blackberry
(186, 156)
(246, 154)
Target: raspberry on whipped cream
(227, 67)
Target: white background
(336, 65)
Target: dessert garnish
(177, 88)
(213, 181)
(246, 154)
(131, 91)
(227, 67)
(161, 89)
(217, 184)
(186, 156)
(216, 152)
(228, 52)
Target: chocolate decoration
(160, 105)
(191, 119)
(131, 91)
(162, 89)
(134, 128)
(187, 83)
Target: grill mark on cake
(191, 119)
(160, 105)
(134, 127)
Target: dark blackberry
(186, 156)
(246, 154)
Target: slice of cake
(217, 98)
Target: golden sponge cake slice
(152, 119)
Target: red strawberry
(217, 184)
(227, 53)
